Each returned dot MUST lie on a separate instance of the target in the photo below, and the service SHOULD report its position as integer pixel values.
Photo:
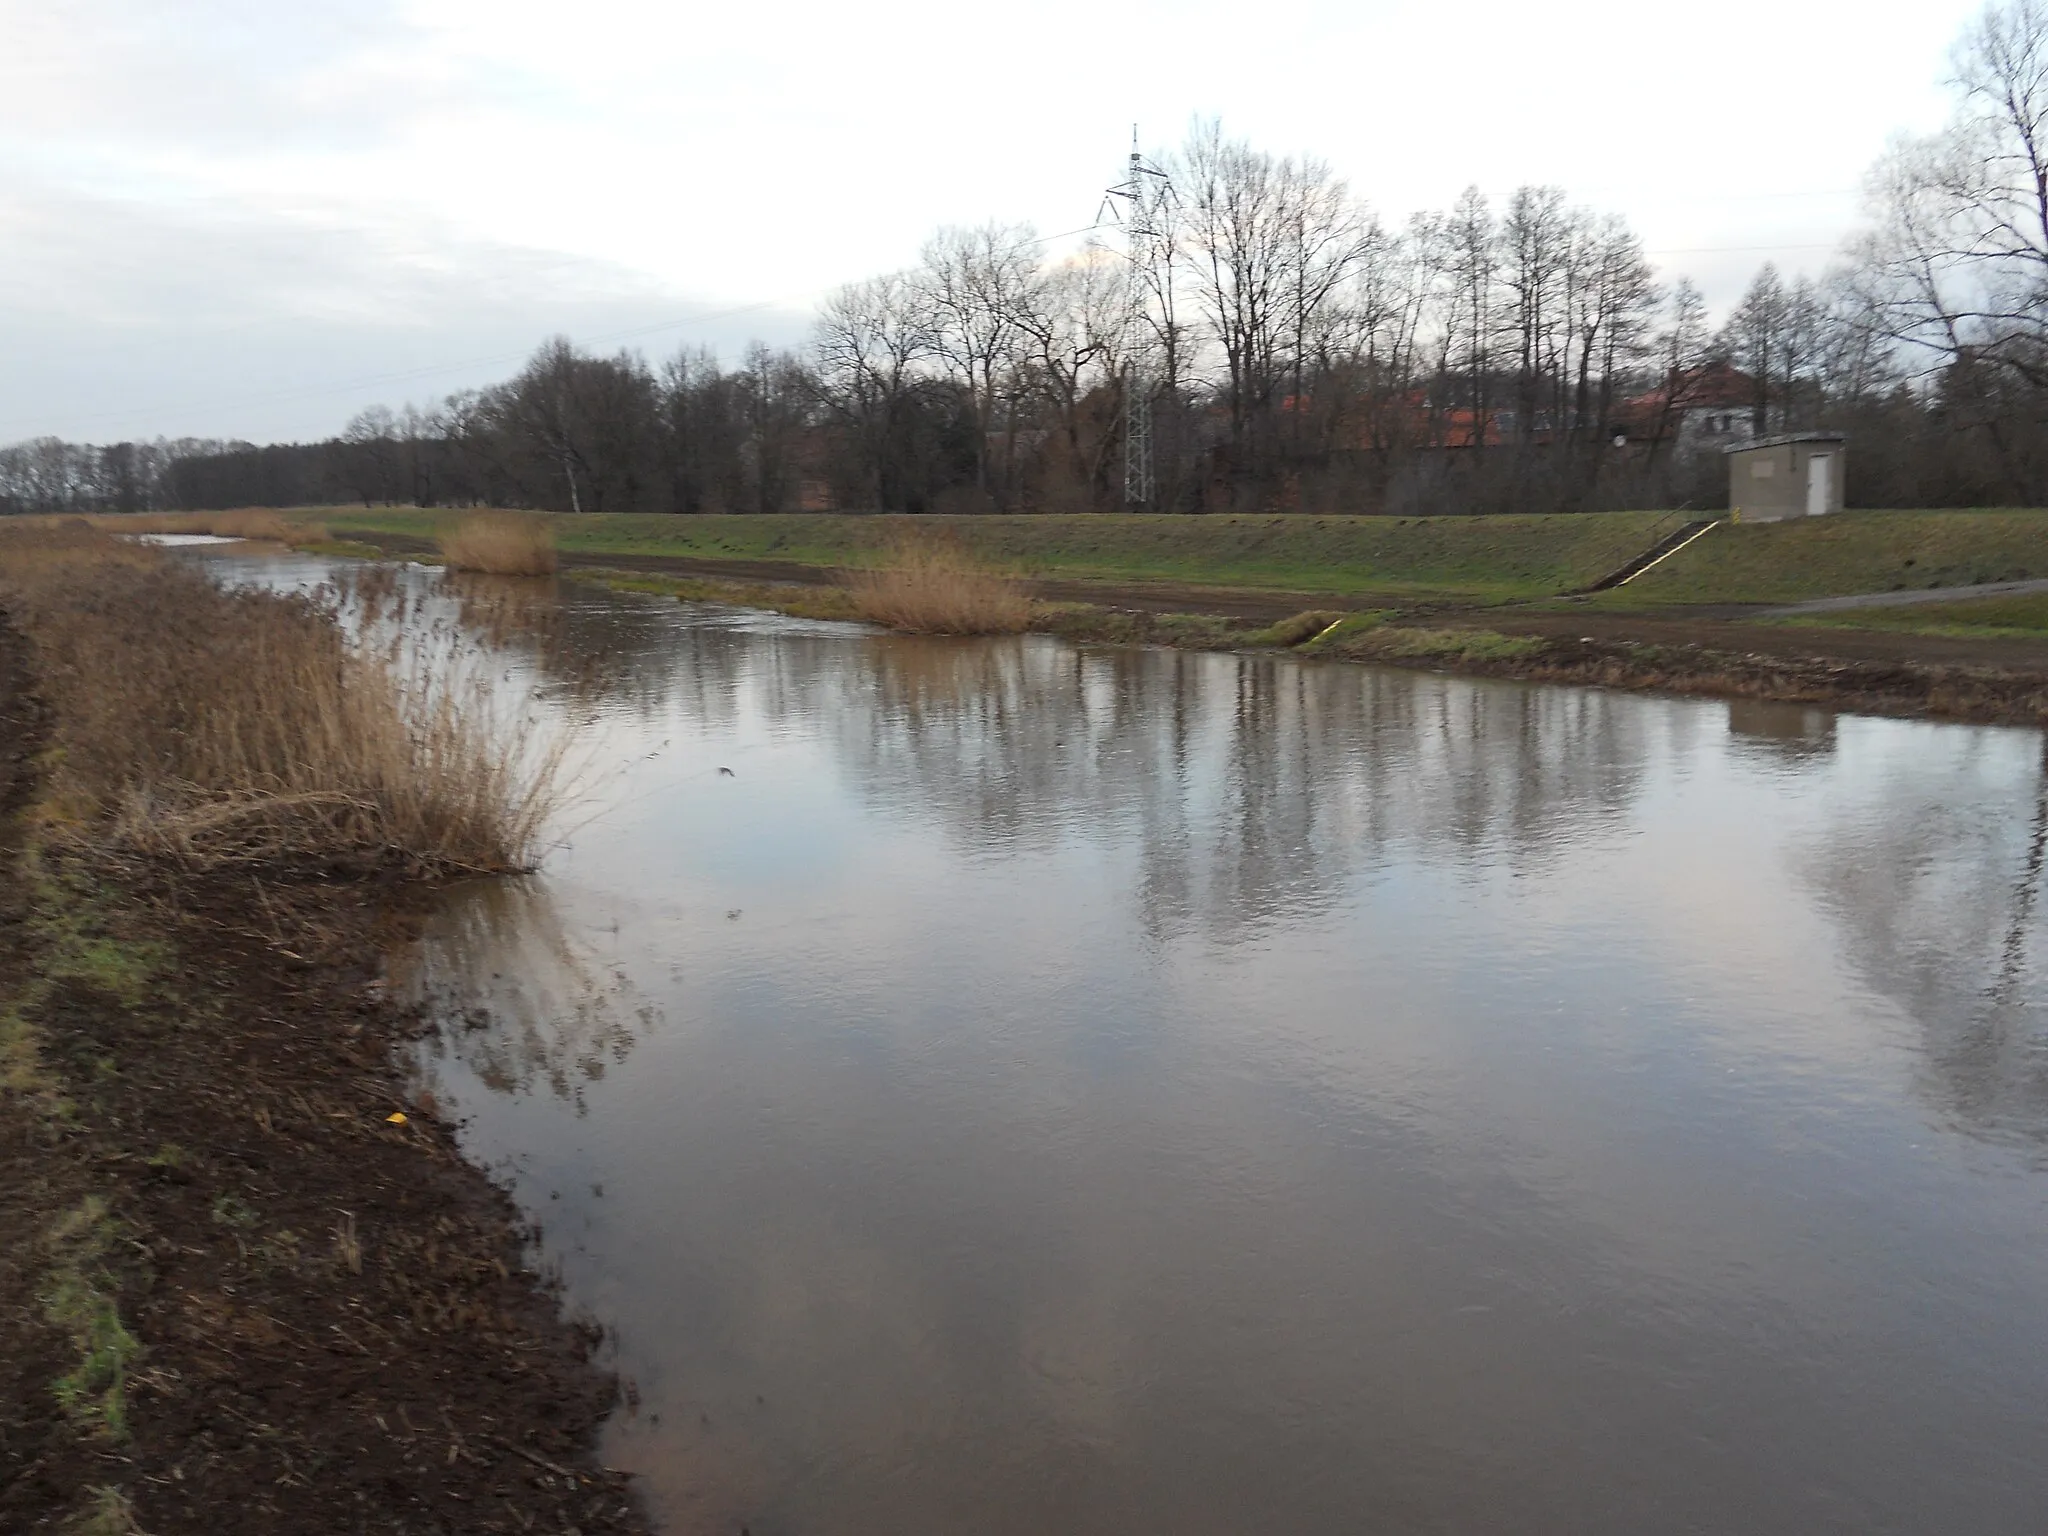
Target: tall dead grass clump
(502, 544)
(222, 725)
(234, 523)
(932, 586)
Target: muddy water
(1047, 1091)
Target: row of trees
(1295, 352)
(47, 474)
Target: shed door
(1820, 470)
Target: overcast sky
(251, 218)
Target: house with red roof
(1708, 408)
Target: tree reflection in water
(520, 1002)
(1258, 791)
(1145, 1080)
(1932, 873)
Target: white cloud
(253, 178)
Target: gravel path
(1901, 599)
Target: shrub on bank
(501, 544)
(933, 587)
(235, 523)
(212, 723)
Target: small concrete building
(1797, 474)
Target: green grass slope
(1848, 553)
(1479, 558)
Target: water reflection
(1796, 729)
(1253, 785)
(1043, 1090)
(1933, 874)
(524, 1004)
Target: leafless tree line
(1302, 354)
(47, 474)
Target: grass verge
(80, 1297)
(2016, 617)
(798, 600)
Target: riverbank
(1469, 561)
(1486, 596)
(250, 1285)
(1988, 680)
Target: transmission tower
(1139, 200)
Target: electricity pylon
(1139, 201)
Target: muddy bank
(1459, 643)
(1875, 687)
(248, 1286)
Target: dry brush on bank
(235, 523)
(501, 544)
(935, 587)
(214, 724)
(230, 1263)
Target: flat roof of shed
(1785, 437)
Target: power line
(1708, 250)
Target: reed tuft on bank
(214, 724)
(234, 523)
(501, 544)
(936, 587)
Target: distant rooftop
(1783, 438)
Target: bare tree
(1959, 258)
(871, 342)
(976, 286)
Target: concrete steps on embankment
(1662, 550)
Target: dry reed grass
(936, 587)
(235, 523)
(222, 725)
(501, 544)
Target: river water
(992, 1087)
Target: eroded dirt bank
(235, 1294)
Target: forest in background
(1297, 354)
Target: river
(993, 1087)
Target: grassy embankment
(231, 1262)
(1468, 560)
(1469, 594)
(1839, 556)
(1446, 560)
